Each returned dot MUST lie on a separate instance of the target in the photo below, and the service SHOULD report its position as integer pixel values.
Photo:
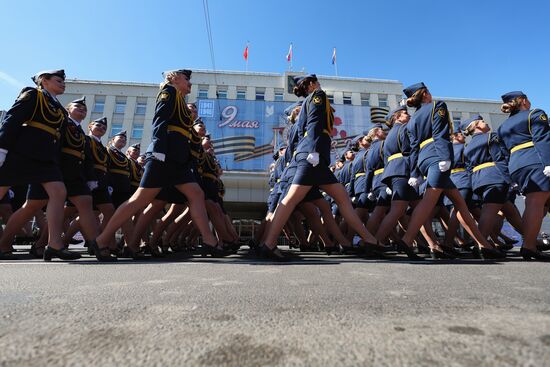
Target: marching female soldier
(431, 156)
(313, 160)
(489, 173)
(168, 162)
(36, 120)
(525, 135)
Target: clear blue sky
(472, 49)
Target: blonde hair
(294, 115)
(168, 78)
(372, 134)
(416, 99)
(513, 105)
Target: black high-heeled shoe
(536, 255)
(403, 247)
(101, 254)
(441, 255)
(375, 247)
(8, 255)
(36, 251)
(486, 253)
(272, 254)
(450, 250)
(63, 254)
(335, 249)
(214, 251)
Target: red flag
(289, 54)
(245, 53)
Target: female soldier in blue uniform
(359, 179)
(431, 156)
(35, 120)
(461, 179)
(168, 162)
(488, 167)
(313, 160)
(525, 136)
(374, 171)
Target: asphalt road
(316, 311)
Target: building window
(203, 91)
(457, 117)
(99, 105)
(347, 98)
(382, 100)
(120, 107)
(365, 99)
(115, 129)
(222, 93)
(241, 93)
(137, 131)
(141, 107)
(260, 94)
(278, 94)
(330, 98)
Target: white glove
(92, 185)
(11, 194)
(546, 171)
(370, 196)
(444, 166)
(388, 191)
(313, 158)
(353, 199)
(413, 181)
(159, 156)
(110, 190)
(3, 153)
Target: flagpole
(336, 67)
(247, 51)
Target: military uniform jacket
(459, 174)
(429, 132)
(397, 149)
(171, 132)
(525, 136)
(209, 168)
(358, 169)
(289, 163)
(76, 155)
(136, 171)
(345, 176)
(375, 165)
(317, 129)
(32, 126)
(119, 170)
(100, 161)
(485, 161)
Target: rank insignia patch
(164, 96)
(317, 100)
(543, 117)
(441, 112)
(24, 96)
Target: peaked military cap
(282, 145)
(60, 73)
(411, 89)
(185, 72)
(289, 109)
(198, 121)
(511, 95)
(101, 121)
(81, 101)
(121, 133)
(464, 125)
(300, 78)
(136, 146)
(390, 114)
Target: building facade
(243, 111)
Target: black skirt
(21, 170)
(307, 175)
(159, 174)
